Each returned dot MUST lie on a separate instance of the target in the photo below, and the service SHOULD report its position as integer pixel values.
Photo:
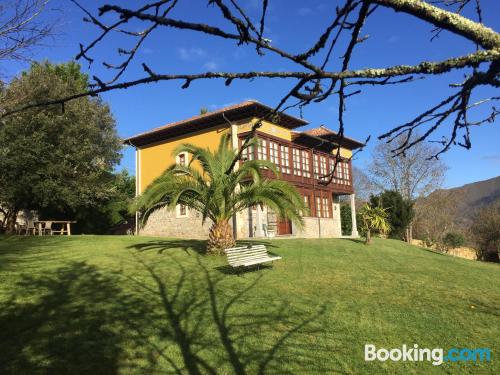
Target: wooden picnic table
(64, 223)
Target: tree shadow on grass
(198, 246)
(212, 331)
(61, 323)
(16, 250)
(174, 319)
(161, 246)
(359, 241)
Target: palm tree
(374, 218)
(210, 186)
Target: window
(273, 153)
(318, 206)
(322, 166)
(262, 149)
(346, 173)
(340, 169)
(326, 209)
(181, 210)
(332, 167)
(285, 159)
(316, 166)
(305, 164)
(182, 159)
(307, 204)
(248, 153)
(341, 172)
(296, 162)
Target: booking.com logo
(416, 354)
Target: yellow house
(302, 157)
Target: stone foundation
(318, 228)
(165, 223)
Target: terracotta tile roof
(318, 132)
(324, 133)
(234, 112)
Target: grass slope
(127, 305)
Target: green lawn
(133, 305)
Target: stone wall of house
(248, 221)
(324, 227)
(163, 222)
(330, 228)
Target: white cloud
(190, 54)
(211, 65)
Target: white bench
(248, 256)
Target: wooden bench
(248, 256)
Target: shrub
(452, 240)
(346, 219)
(428, 241)
(399, 210)
(486, 233)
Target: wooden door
(284, 226)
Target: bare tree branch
(21, 28)
(314, 81)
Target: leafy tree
(212, 187)
(55, 159)
(374, 219)
(399, 210)
(345, 219)
(486, 233)
(453, 240)
(107, 214)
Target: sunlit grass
(128, 305)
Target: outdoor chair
(47, 229)
(20, 228)
(269, 230)
(31, 227)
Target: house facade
(303, 158)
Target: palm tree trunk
(220, 237)
(368, 237)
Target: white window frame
(274, 154)
(306, 163)
(297, 162)
(178, 214)
(285, 159)
(262, 149)
(186, 159)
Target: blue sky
(292, 25)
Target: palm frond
(205, 186)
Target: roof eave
(252, 109)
